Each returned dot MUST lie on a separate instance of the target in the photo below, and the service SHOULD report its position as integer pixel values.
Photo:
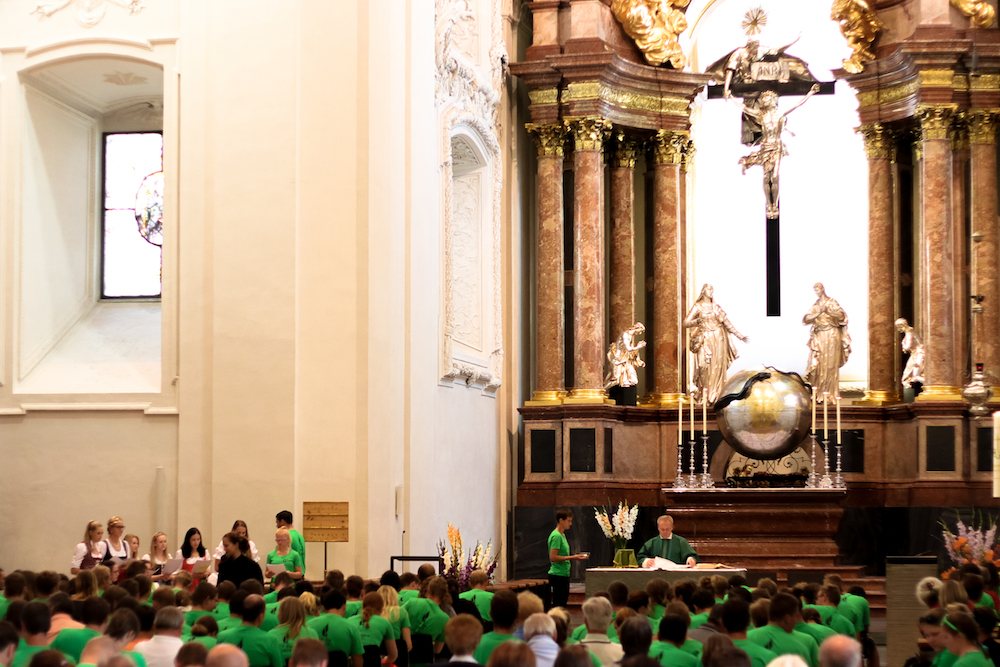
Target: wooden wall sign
(325, 522)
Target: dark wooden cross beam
(772, 229)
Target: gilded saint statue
(623, 355)
(711, 344)
(829, 344)
(772, 148)
(912, 345)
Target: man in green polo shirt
(336, 631)
(812, 625)
(559, 558)
(503, 609)
(829, 597)
(13, 589)
(478, 594)
(261, 648)
(780, 636)
(670, 636)
(667, 545)
(284, 520)
(71, 641)
(736, 620)
(35, 626)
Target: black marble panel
(714, 440)
(543, 450)
(984, 449)
(583, 450)
(940, 448)
(609, 448)
(853, 451)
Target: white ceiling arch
(99, 85)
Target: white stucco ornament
(88, 12)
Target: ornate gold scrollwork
(860, 26)
(980, 11)
(936, 121)
(589, 133)
(550, 138)
(983, 125)
(879, 141)
(626, 150)
(670, 147)
(655, 26)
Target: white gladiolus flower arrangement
(617, 526)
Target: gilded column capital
(935, 121)
(589, 133)
(960, 132)
(880, 141)
(669, 146)
(550, 138)
(687, 154)
(626, 149)
(983, 125)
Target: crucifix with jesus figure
(760, 77)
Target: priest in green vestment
(667, 545)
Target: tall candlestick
(692, 420)
(839, 440)
(704, 412)
(814, 410)
(826, 423)
(680, 420)
(996, 454)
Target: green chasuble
(675, 549)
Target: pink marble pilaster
(622, 264)
(982, 145)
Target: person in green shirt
(854, 607)
(659, 594)
(284, 520)
(354, 586)
(282, 581)
(123, 627)
(478, 595)
(559, 558)
(670, 637)
(235, 617)
(285, 555)
(701, 602)
(780, 636)
(503, 611)
(376, 631)
(736, 620)
(203, 602)
(398, 618)
(13, 589)
(71, 641)
(932, 632)
(334, 630)
(205, 631)
(829, 598)
(262, 649)
(667, 545)
(9, 640)
(291, 626)
(410, 587)
(961, 638)
(35, 626)
(224, 592)
(812, 625)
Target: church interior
(443, 215)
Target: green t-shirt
(24, 654)
(338, 634)
(818, 632)
(398, 620)
(191, 616)
(581, 631)
(261, 648)
(408, 594)
(207, 642)
(489, 642)
(291, 561)
(299, 545)
(72, 641)
(669, 655)
(944, 659)
(698, 620)
(427, 618)
(138, 659)
(271, 597)
(558, 542)
(221, 610)
(656, 611)
(691, 647)
(377, 632)
(269, 623)
(974, 659)
(353, 608)
(841, 625)
(759, 656)
(984, 601)
(4, 603)
(775, 639)
(286, 644)
(481, 599)
(860, 604)
(825, 612)
(229, 622)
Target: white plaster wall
(57, 224)
(823, 186)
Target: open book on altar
(665, 564)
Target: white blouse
(220, 552)
(81, 550)
(121, 553)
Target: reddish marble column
(668, 300)
(550, 314)
(589, 135)
(622, 264)
(882, 343)
(937, 255)
(959, 210)
(986, 332)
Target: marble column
(622, 264)
(937, 254)
(986, 325)
(667, 151)
(882, 338)
(589, 135)
(550, 309)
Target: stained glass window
(133, 215)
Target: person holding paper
(235, 565)
(196, 559)
(284, 555)
(667, 545)
(157, 557)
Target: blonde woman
(311, 605)
(291, 626)
(91, 551)
(104, 580)
(117, 546)
(398, 618)
(133, 545)
(85, 585)
(158, 556)
(284, 554)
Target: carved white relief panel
(466, 261)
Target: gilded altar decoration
(772, 148)
(980, 11)
(655, 26)
(712, 343)
(829, 344)
(623, 355)
(912, 345)
(860, 26)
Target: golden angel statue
(829, 344)
(623, 354)
(711, 344)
